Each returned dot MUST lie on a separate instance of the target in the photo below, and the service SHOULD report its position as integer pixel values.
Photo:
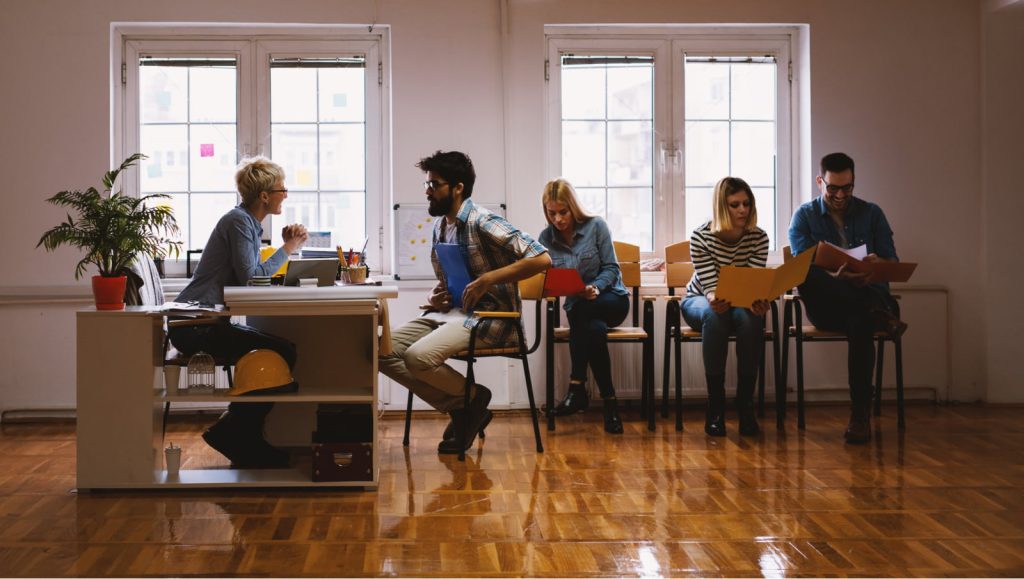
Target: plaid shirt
(489, 242)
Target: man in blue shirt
(843, 301)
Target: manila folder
(742, 286)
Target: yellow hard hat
(262, 372)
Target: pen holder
(354, 275)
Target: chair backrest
(787, 253)
(151, 290)
(628, 256)
(678, 266)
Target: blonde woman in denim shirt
(582, 242)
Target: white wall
(895, 84)
(1003, 202)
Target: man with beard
(498, 255)
(843, 301)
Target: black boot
(238, 435)
(575, 400)
(745, 406)
(858, 431)
(612, 422)
(714, 422)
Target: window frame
(251, 45)
(669, 46)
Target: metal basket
(201, 374)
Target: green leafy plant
(113, 228)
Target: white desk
(121, 392)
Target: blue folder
(456, 271)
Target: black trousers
(589, 321)
(226, 340)
(839, 306)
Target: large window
(197, 106)
(644, 123)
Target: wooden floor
(943, 500)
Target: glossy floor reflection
(943, 499)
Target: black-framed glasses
(277, 190)
(833, 189)
(433, 184)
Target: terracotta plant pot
(109, 292)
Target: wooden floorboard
(944, 499)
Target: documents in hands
(561, 281)
(831, 257)
(456, 272)
(742, 286)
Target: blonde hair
(561, 191)
(720, 220)
(256, 175)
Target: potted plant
(113, 229)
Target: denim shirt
(231, 258)
(863, 224)
(591, 253)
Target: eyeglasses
(833, 189)
(433, 184)
(277, 190)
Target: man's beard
(439, 207)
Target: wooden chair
(531, 289)
(678, 271)
(628, 256)
(801, 333)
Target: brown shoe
(858, 431)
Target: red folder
(562, 282)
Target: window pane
(593, 200)
(212, 94)
(629, 92)
(699, 207)
(293, 95)
(342, 157)
(630, 153)
(206, 210)
(162, 94)
(707, 152)
(295, 149)
(583, 92)
(166, 169)
(179, 206)
(753, 91)
(344, 215)
(753, 152)
(631, 216)
(212, 157)
(583, 153)
(707, 91)
(764, 197)
(297, 208)
(341, 94)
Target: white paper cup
(172, 456)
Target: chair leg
(529, 392)
(408, 420)
(666, 361)
(760, 384)
(900, 421)
(801, 424)
(466, 401)
(879, 363)
(679, 378)
(549, 370)
(782, 379)
(167, 411)
(648, 371)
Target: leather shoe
(714, 424)
(748, 419)
(471, 420)
(244, 450)
(575, 400)
(483, 399)
(612, 422)
(858, 431)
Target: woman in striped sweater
(730, 238)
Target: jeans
(589, 321)
(715, 330)
(420, 349)
(225, 340)
(838, 306)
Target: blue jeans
(837, 306)
(589, 321)
(715, 330)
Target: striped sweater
(709, 254)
